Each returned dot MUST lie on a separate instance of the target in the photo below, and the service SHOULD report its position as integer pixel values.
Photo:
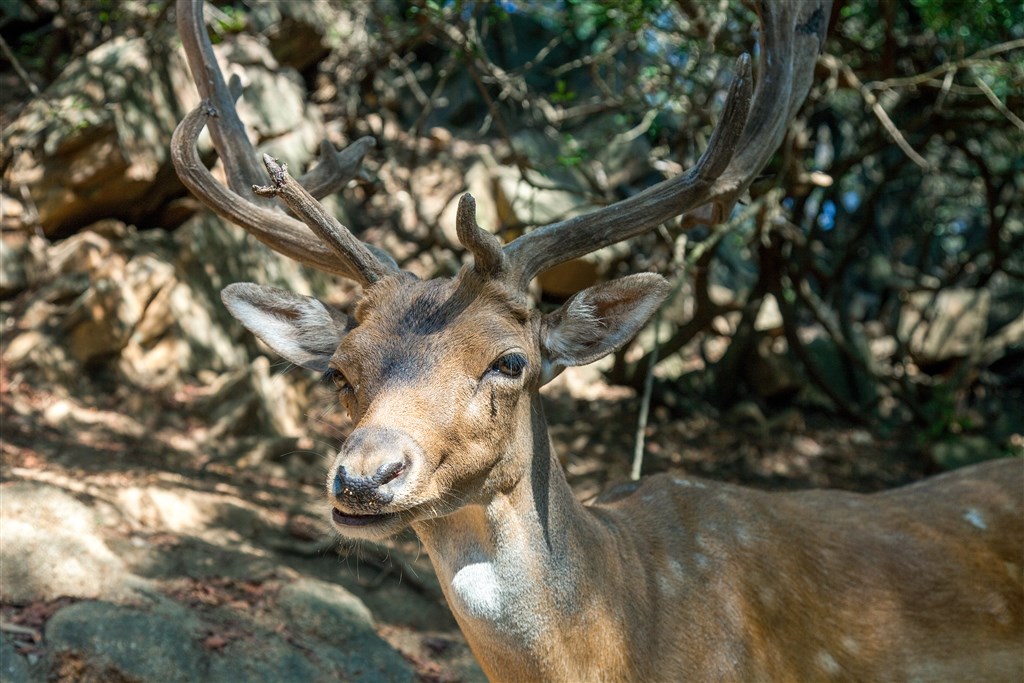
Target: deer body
(691, 580)
(670, 579)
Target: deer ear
(300, 328)
(599, 320)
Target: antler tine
(790, 36)
(228, 132)
(240, 205)
(488, 257)
(368, 267)
(279, 232)
(334, 169)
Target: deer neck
(516, 569)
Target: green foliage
(572, 154)
(229, 20)
(562, 93)
(589, 18)
(976, 23)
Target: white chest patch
(476, 588)
(974, 517)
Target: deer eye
(336, 378)
(510, 365)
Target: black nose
(365, 492)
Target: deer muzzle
(370, 474)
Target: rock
(326, 612)
(367, 662)
(182, 510)
(103, 641)
(43, 354)
(274, 104)
(146, 306)
(537, 201)
(72, 417)
(45, 527)
(942, 326)
(96, 144)
(296, 31)
(13, 667)
(12, 213)
(252, 401)
(272, 661)
(108, 316)
(13, 253)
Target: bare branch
(574, 237)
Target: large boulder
(46, 528)
(103, 641)
(95, 145)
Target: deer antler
(791, 36)
(344, 255)
(368, 267)
(488, 257)
(742, 143)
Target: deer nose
(366, 492)
(375, 461)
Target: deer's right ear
(599, 320)
(300, 328)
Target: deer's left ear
(599, 320)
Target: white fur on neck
(475, 586)
(487, 584)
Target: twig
(645, 406)
(22, 74)
(996, 102)
(8, 627)
(878, 110)
(966, 62)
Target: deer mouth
(345, 519)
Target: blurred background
(857, 323)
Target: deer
(667, 578)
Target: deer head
(441, 376)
